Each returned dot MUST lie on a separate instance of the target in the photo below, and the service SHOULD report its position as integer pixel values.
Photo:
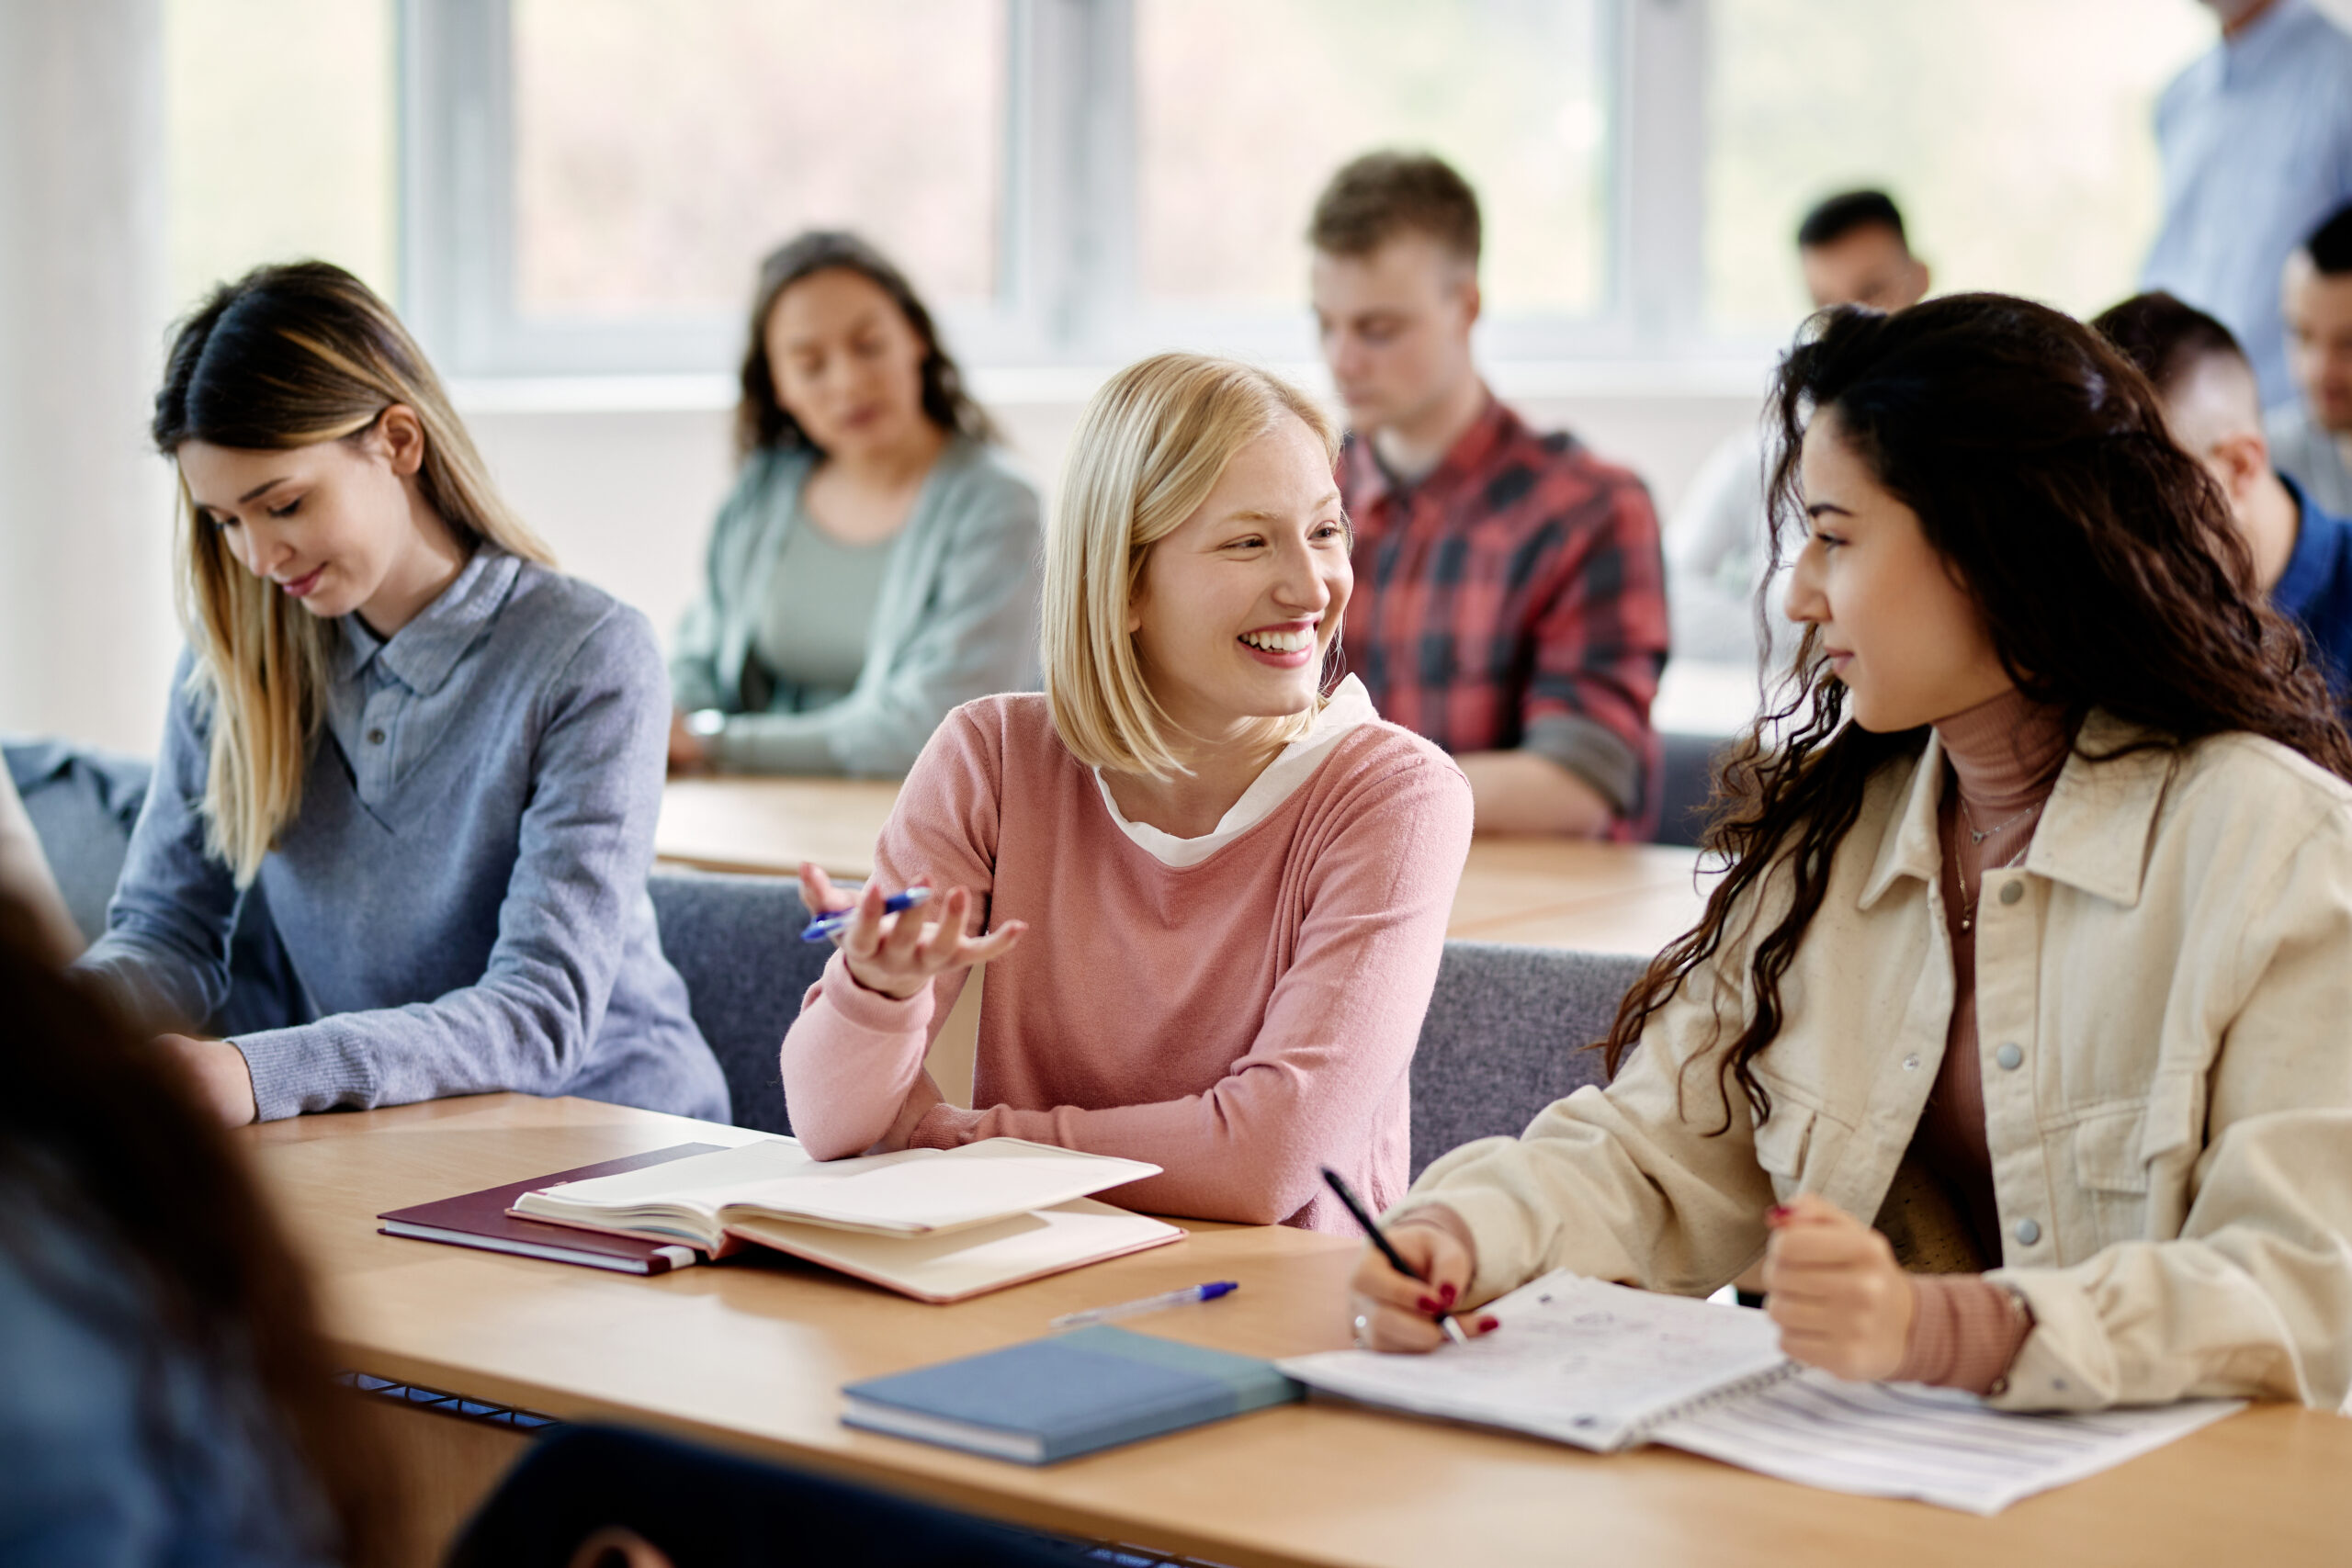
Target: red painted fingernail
(1447, 1294)
(1431, 1306)
(1777, 1214)
(1488, 1324)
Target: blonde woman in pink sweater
(1213, 894)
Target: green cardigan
(957, 618)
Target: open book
(937, 1224)
(1604, 1367)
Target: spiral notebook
(1605, 1368)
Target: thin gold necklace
(1959, 861)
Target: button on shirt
(1513, 598)
(2257, 144)
(462, 890)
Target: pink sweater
(1237, 1022)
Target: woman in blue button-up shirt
(440, 758)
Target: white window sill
(1013, 386)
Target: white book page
(935, 1189)
(1574, 1359)
(908, 1192)
(698, 1184)
(1938, 1445)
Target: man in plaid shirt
(1510, 595)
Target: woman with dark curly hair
(876, 564)
(2013, 1040)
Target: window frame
(1067, 291)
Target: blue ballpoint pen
(828, 926)
(1148, 1304)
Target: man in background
(2310, 435)
(1852, 250)
(1509, 601)
(2256, 138)
(2302, 555)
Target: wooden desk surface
(753, 1357)
(1550, 892)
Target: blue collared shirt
(2256, 141)
(462, 892)
(2316, 588)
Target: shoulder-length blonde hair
(284, 357)
(1150, 446)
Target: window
(589, 183)
(660, 150)
(2013, 133)
(1244, 109)
(280, 129)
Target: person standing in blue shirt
(2256, 138)
(2301, 554)
(440, 758)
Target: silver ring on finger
(1364, 1326)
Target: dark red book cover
(480, 1219)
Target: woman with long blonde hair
(1214, 896)
(440, 758)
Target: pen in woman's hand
(1339, 1184)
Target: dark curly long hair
(763, 423)
(2101, 557)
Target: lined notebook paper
(1575, 1360)
(1604, 1367)
(1938, 1445)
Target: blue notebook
(1051, 1399)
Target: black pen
(1339, 1184)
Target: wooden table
(753, 1357)
(1548, 892)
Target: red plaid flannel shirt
(1514, 598)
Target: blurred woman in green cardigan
(877, 562)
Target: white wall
(86, 634)
(627, 497)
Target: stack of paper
(1604, 1367)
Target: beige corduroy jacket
(2165, 1012)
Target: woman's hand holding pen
(897, 955)
(1396, 1312)
(1833, 1285)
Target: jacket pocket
(2108, 1150)
(1784, 1142)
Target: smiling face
(339, 525)
(1900, 631)
(1236, 608)
(846, 363)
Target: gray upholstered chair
(1506, 1035)
(737, 941)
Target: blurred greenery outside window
(658, 150)
(281, 138)
(661, 150)
(1244, 108)
(2015, 135)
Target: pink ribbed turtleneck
(2004, 756)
